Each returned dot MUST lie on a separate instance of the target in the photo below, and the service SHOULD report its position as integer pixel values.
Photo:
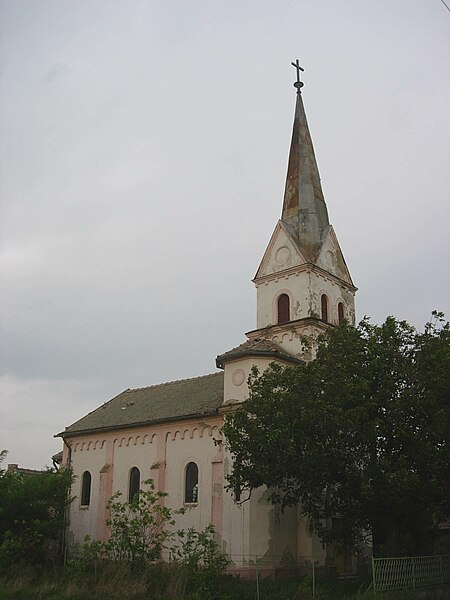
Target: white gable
(281, 254)
(331, 259)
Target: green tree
(3, 455)
(358, 437)
(32, 511)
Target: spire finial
(298, 84)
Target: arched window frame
(191, 489)
(283, 308)
(324, 308)
(341, 312)
(86, 485)
(134, 483)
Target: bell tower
(303, 283)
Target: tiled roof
(181, 399)
(304, 208)
(57, 458)
(257, 347)
(14, 468)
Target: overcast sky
(143, 151)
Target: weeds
(169, 582)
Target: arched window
(134, 483)
(86, 489)
(341, 314)
(237, 489)
(284, 315)
(191, 483)
(324, 308)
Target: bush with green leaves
(139, 532)
(140, 529)
(32, 509)
(199, 553)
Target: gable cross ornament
(298, 84)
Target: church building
(171, 432)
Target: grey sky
(143, 152)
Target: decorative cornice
(285, 358)
(308, 267)
(270, 330)
(229, 407)
(141, 424)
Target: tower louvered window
(341, 313)
(324, 308)
(283, 309)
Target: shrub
(201, 559)
(140, 528)
(32, 509)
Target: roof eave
(222, 359)
(67, 434)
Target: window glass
(191, 483)
(341, 315)
(237, 490)
(134, 483)
(324, 308)
(283, 309)
(86, 489)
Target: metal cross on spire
(298, 84)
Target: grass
(169, 583)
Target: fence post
(257, 578)
(314, 577)
(413, 573)
(373, 574)
(441, 572)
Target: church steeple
(304, 209)
(303, 283)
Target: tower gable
(282, 253)
(303, 283)
(331, 259)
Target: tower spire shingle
(304, 208)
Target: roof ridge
(156, 385)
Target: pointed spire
(304, 208)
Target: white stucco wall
(304, 288)
(88, 454)
(130, 451)
(183, 447)
(335, 292)
(160, 453)
(296, 286)
(236, 374)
